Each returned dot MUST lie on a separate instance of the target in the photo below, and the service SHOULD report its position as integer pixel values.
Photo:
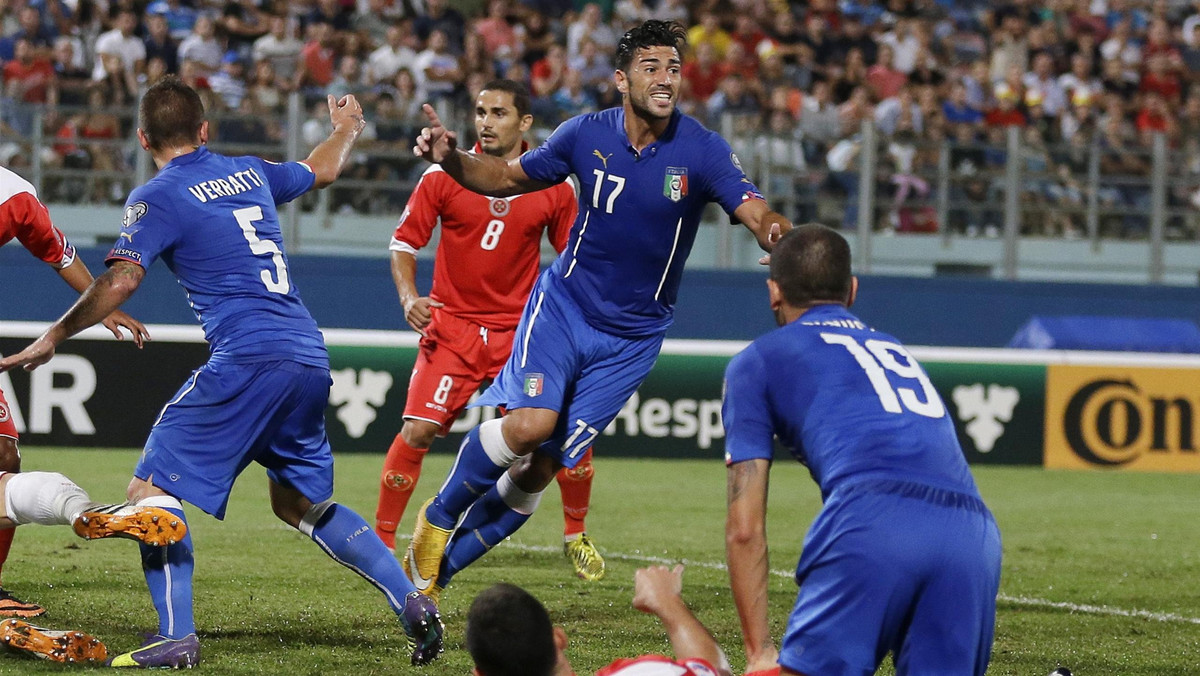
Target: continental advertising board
(1018, 407)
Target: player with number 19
(904, 556)
(262, 395)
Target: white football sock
(46, 498)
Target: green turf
(269, 602)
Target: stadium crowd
(790, 82)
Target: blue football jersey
(848, 401)
(212, 220)
(638, 213)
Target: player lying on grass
(51, 499)
(23, 217)
(262, 395)
(509, 633)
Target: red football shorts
(455, 357)
(8, 428)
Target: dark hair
(509, 633)
(812, 264)
(652, 33)
(520, 94)
(171, 114)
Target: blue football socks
(347, 539)
(482, 459)
(168, 572)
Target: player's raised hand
(136, 329)
(39, 352)
(418, 313)
(435, 143)
(773, 236)
(347, 112)
(657, 588)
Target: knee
(524, 433)
(419, 434)
(10, 455)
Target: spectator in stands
(31, 29)
(315, 68)
(202, 47)
(436, 68)
(536, 37)
(438, 16)
(120, 57)
(903, 105)
(243, 23)
(1010, 47)
(73, 80)
(371, 26)
(29, 80)
(181, 18)
(1042, 79)
(548, 75)
(159, 43)
(572, 98)
(672, 10)
(229, 83)
(905, 44)
(590, 25)
(1080, 78)
(709, 31)
(331, 12)
(958, 109)
(476, 58)
(499, 36)
(279, 46)
(630, 13)
(1121, 46)
(733, 97)
(594, 66)
(1117, 81)
(884, 79)
(1007, 112)
(1160, 79)
(266, 90)
(349, 80)
(394, 54)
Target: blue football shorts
(228, 415)
(892, 566)
(560, 362)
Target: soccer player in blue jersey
(262, 395)
(593, 325)
(904, 556)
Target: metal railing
(1008, 207)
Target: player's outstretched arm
(477, 172)
(78, 277)
(99, 301)
(746, 554)
(330, 156)
(658, 590)
(766, 225)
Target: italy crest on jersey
(675, 183)
(533, 384)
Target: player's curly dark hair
(811, 264)
(509, 633)
(652, 33)
(171, 114)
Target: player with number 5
(595, 320)
(904, 557)
(262, 395)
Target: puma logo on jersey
(603, 158)
(357, 394)
(984, 411)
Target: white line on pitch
(1027, 601)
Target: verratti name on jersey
(233, 184)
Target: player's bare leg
(11, 606)
(575, 484)
(346, 538)
(486, 453)
(401, 471)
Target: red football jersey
(22, 216)
(657, 665)
(490, 248)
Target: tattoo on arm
(742, 476)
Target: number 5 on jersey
(246, 218)
(876, 355)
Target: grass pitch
(1101, 571)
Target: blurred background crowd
(938, 93)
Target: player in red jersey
(24, 218)
(486, 263)
(509, 632)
